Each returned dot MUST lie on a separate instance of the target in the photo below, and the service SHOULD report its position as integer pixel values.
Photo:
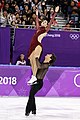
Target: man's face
(44, 23)
(48, 57)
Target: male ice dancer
(42, 69)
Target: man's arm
(41, 66)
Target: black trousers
(31, 105)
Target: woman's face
(22, 57)
(44, 23)
(26, 8)
(48, 57)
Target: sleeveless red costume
(34, 41)
(40, 30)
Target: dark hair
(44, 18)
(53, 59)
(19, 58)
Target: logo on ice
(76, 78)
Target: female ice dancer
(36, 48)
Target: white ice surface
(52, 108)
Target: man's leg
(31, 105)
(35, 89)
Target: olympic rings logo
(74, 36)
(75, 80)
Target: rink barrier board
(65, 45)
(4, 45)
(59, 81)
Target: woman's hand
(57, 9)
(37, 12)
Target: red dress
(40, 30)
(34, 42)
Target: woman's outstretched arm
(52, 19)
(37, 19)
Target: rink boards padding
(59, 81)
(4, 45)
(65, 45)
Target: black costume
(42, 69)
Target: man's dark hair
(53, 59)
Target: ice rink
(48, 108)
